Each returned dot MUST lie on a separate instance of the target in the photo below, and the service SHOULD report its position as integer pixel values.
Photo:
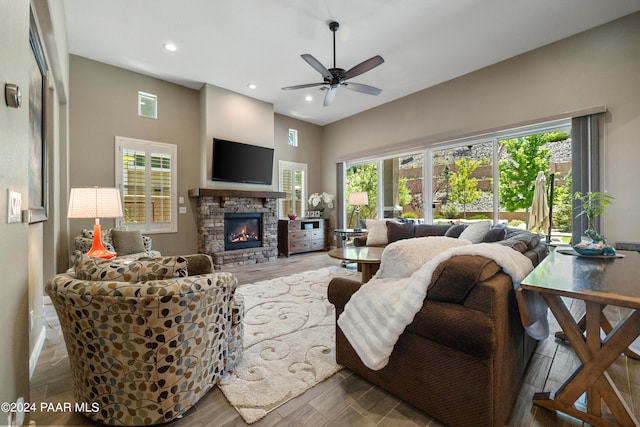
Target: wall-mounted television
(238, 162)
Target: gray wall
(28, 252)
(597, 67)
(103, 106)
(14, 158)
(235, 117)
(309, 149)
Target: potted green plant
(593, 204)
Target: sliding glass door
(462, 179)
(394, 186)
(490, 177)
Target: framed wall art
(37, 134)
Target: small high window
(147, 105)
(293, 137)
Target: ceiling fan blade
(303, 86)
(330, 96)
(359, 87)
(317, 65)
(363, 67)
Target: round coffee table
(368, 258)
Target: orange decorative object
(97, 248)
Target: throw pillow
(455, 230)
(90, 268)
(454, 278)
(377, 232)
(127, 242)
(399, 231)
(530, 239)
(494, 235)
(476, 231)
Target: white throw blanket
(379, 311)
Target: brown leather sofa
(463, 357)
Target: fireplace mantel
(224, 194)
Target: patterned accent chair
(147, 338)
(131, 245)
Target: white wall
(598, 67)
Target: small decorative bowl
(292, 216)
(587, 251)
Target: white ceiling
(231, 43)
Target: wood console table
(597, 282)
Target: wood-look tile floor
(344, 399)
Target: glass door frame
(563, 124)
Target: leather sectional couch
(463, 357)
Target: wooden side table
(598, 282)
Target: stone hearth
(212, 205)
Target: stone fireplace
(237, 227)
(242, 230)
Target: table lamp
(357, 199)
(95, 202)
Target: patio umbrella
(539, 219)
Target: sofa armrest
(360, 240)
(340, 291)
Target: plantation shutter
(146, 176)
(293, 183)
(286, 181)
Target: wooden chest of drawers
(302, 235)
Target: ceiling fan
(336, 77)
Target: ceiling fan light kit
(335, 77)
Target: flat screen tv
(238, 162)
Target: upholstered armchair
(127, 244)
(146, 338)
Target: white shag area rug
(289, 341)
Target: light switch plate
(14, 206)
(182, 210)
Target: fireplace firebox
(242, 230)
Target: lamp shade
(94, 202)
(358, 198)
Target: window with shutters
(146, 176)
(293, 182)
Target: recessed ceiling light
(308, 98)
(252, 86)
(170, 47)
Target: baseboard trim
(37, 349)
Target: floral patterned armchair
(147, 338)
